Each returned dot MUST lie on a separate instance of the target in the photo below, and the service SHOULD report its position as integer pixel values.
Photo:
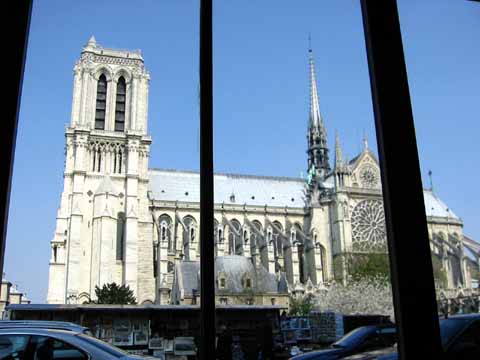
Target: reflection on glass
(446, 151)
(314, 245)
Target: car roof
(39, 331)
(463, 316)
(41, 324)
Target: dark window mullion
(18, 15)
(207, 281)
(414, 298)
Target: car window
(13, 347)
(372, 341)
(450, 327)
(112, 350)
(50, 348)
(353, 338)
(471, 335)
(389, 336)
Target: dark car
(364, 338)
(460, 335)
(43, 324)
(36, 343)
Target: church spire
(318, 162)
(365, 141)
(315, 116)
(338, 152)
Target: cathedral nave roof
(176, 185)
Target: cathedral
(120, 221)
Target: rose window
(369, 176)
(368, 226)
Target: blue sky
(260, 96)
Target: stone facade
(9, 294)
(120, 221)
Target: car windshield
(352, 338)
(450, 327)
(112, 350)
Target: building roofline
(247, 176)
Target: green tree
(114, 294)
(439, 273)
(368, 266)
(301, 306)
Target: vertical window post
(18, 16)
(414, 298)
(207, 285)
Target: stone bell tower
(103, 208)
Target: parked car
(363, 338)
(460, 335)
(43, 344)
(41, 324)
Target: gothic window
(120, 105)
(254, 234)
(94, 155)
(368, 226)
(247, 281)
(234, 238)
(222, 280)
(278, 243)
(216, 239)
(120, 235)
(293, 236)
(99, 160)
(101, 105)
(269, 235)
(369, 176)
(165, 234)
(55, 253)
(189, 234)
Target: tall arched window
(120, 235)
(101, 103)
(165, 235)
(234, 238)
(189, 235)
(277, 238)
(120, 105)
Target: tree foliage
(439, 273)
(114, 294)
(368, 296)
(368, 266)
(301, 306)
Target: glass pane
(119, 126)
(112, 221)
(300, 224)
(13, 346)
(119, 116)
(120, 106)
(444, 94)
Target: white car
(48, 344)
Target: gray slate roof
(235, 267)
(174, 185)
(436, 207)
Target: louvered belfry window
(120, 105)
(101, 103)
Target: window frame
(410, 266)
